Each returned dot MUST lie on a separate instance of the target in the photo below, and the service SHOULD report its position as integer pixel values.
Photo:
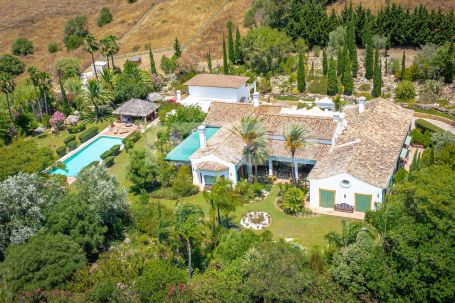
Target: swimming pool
(183, 151)
(85, 156)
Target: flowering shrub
(57, 119)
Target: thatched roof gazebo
(136, 108)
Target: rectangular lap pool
(86, 155)
(183, 151)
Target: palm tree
(106, 49)
(34, 78)
(7, 87)
(259, 155)
(91, 45)
(94, 94)
(46, 85)
(252, 132)
(110, 47)
(294, 136)
(108, 80)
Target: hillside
(377, 4)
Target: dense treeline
(309, 20)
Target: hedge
(76, 128)
(109, 161)
(425, 125)
(115, 150)
(93, 163)
(61, 151)
(69, 139)
(107, 153)
(88, 134)
(132, 138)
(72, 145)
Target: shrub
(115, 150)
(72, 145)
(88, 134)
(318, 86)
(57, 120)
(420, 138)
(183, 182)
(22, 46)
(107, 153)
(52, 47)
(11, 64)
(292, 199)
(104, 17)
(427, 126)
(76, 128)
(109, 161)
(405, 91)
(167, 193)
(91, 164)
(61, 151)
(73, 42)
(75, 31)
(69, 138)
(132, 138)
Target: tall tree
(324, 62)
(231, 50)
(7, 87)
(91, 45)
(449, 68)
(352, 46)
(189, 224)
(46, 85)
(332, 82)
(347, 79)
(177, 48)
(368, 43)
(209, 61)
(340, 65)
(403, 66)
(34, 78)
(253, 134)
(94, 95)
(238, 54)
(294, 138)
(225, 59)
(301, 82)
(377, 77)
(152, 60)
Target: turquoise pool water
(87, 155)
(184, 150)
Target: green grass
(435, 112)
(308, 231)
(287, 98)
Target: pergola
(137, 108)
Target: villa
(348, 162)
(203, 89)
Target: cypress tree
(332, 82)
(225, 60)
(237, 47)
(347, 79)
(352, 45)
(177, 48)
(152, 60)
(345, 59)
(324, 62)
(312, 69)
(368, 43)
(301, 74)
(209, 61)
(449, 66)
(231, 51)
(403, 66)
(339, 61)
(377, 78)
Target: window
(345, 183)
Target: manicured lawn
(54, 141)
(308, 231)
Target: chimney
(361, 104)
(202, 138)
(254, 86)
(256, 99)
(178, 96)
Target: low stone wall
(434, 117)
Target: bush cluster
(88, 134)
(427, 126)
(52, 47)
(72, 145)
(76, 128)
(291, 199)
(69, 139)
(61, 151)
(22, 46)
(132, 138)
(112, 152)
(104, 17)
(420, 137)
(109, 161)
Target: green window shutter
(362, 202)
(327, 198)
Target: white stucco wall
(213, 92)
(198, 175)
(342, 194)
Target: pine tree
(152, 60)
(403, 66)
(332, 82)
(347, 79)
(301, 74)
(352, 46)
(237, 47)
(177, 48)
(209, 61)
(225, 59)
(324, 62)
(340, 61)
(231, 51)
(449, 68)
(377, 77)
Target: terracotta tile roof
(217, 80)
(224, 113)
(315, 151)
(211, 166)
(370, 146)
